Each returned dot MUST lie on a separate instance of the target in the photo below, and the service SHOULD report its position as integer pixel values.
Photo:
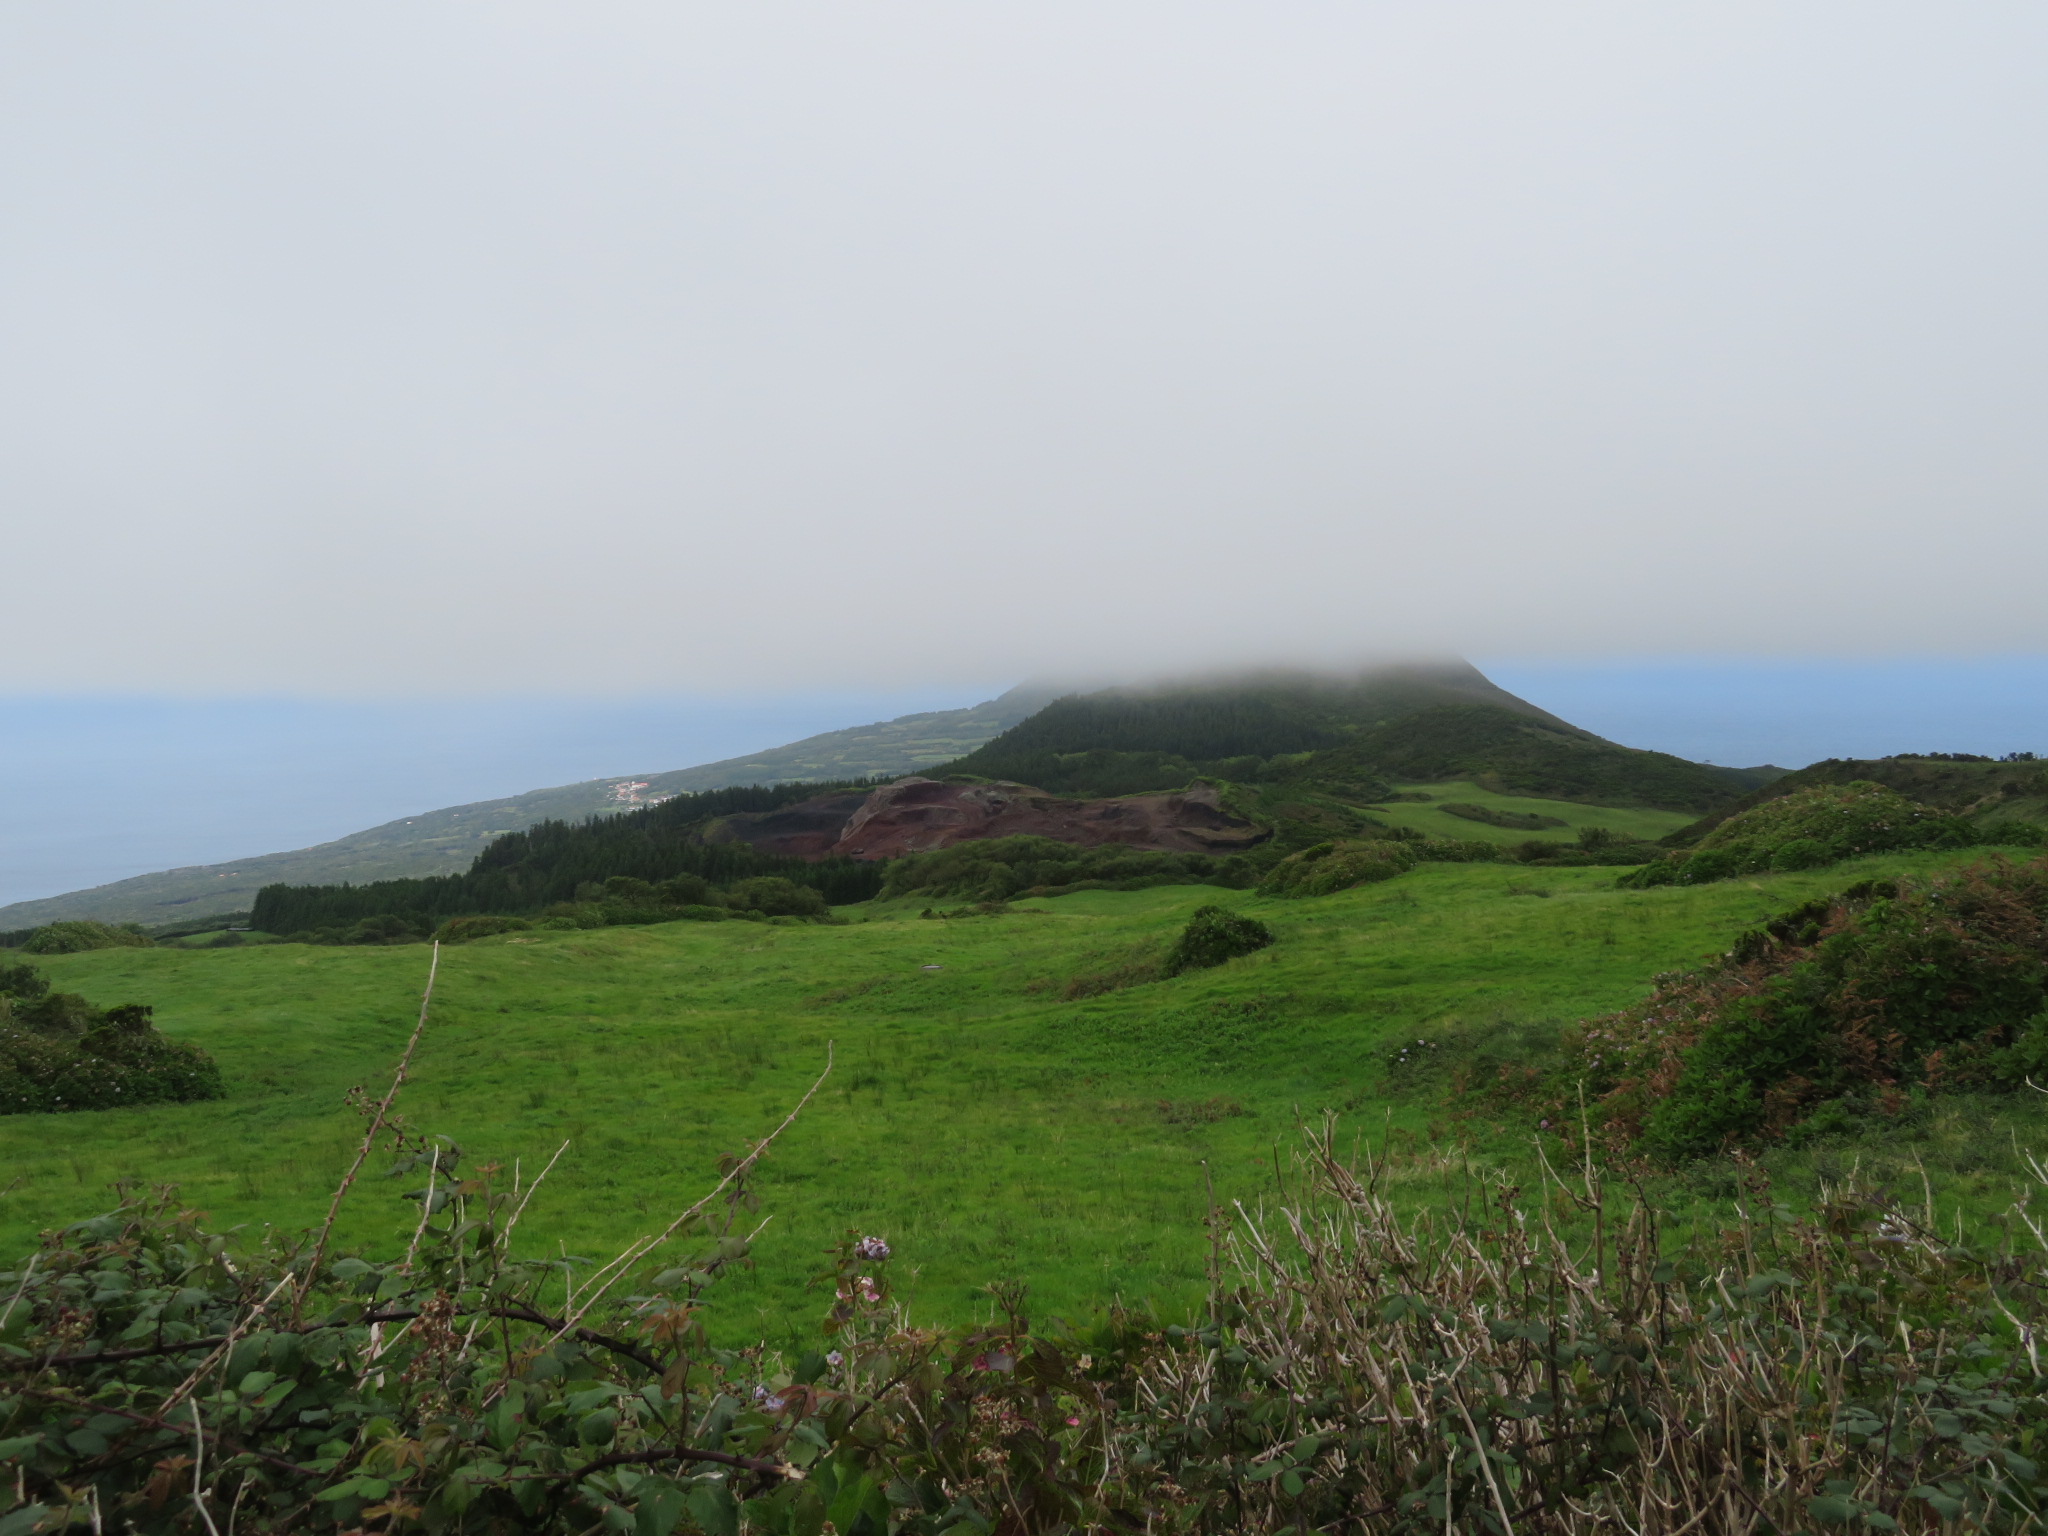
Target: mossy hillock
(2013, 788)
(58, 1052)
(1813, 826)
(1885, 989)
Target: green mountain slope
(1970, 786)
(1305, 759)
(445, 841)
(1417, 724)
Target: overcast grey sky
(390, 347)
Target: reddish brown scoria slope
(917, 815)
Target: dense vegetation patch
(2014, 787)
(1215, 935)
(998, 868)
(59, 1052)
(1326, 868)
(1593, 845)
(1520, 821)
(1322, 869)
(1821, 824)
(1513, 1362)
(620, 901)
(524, 874)
(1844, 1005)
(80, 935)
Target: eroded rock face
(918, 815)
(806, 830)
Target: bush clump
(59, 1052)
(1617, 1379)
(773, 896)
(75, 937)
(1883, 991)
(1595, 845)
(1214, 935)
(1325, 868)
(1807, 829)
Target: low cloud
(415, 348)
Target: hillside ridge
(2014, 787)
(446, 840)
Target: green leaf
(713, 1507)
(1832, 1509)
(1945, 1505)
(23, 1520)
(1291, 1483)
(658, 1509)
(856, 1491)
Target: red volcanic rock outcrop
(917, 815)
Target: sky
(432, 348)
(408, 403)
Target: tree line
(526, 872)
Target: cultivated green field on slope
(988, 1128)
(1430, 816)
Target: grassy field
(988, 1127)
(1430, 816)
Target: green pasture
(989, 1127)
(1430, 817)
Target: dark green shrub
(685, 891)
(59, 1052)
(1800, 853)
(1214, 935)
(22, 981)
(1709, 864)
(2009, 833)
(1518, 821)
(386, 928)
(1807, 829)
(773, 896)
(627, 891)
(1325, 868)
(70, 938)
(460, 930)
(1883, 989)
